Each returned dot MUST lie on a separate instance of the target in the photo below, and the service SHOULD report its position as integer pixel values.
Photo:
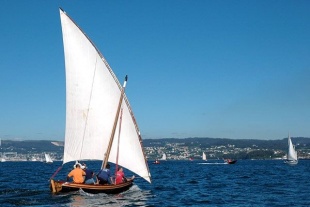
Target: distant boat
(156, 162)
(164, 157)
(2, 159)
(100, 124)
(230, 161)
(204, 156)
(291, 158)
(48, 158)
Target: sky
(221, 69)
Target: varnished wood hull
(63, 187)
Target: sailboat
(48, 158)
(156, 162)
(164, 157)
(2, 154)
(100, 124)
(204, 156)
(230, 161)
(291, 158)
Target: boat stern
(55, 186)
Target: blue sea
(174, 183)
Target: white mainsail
(204, 156)
(291, 153)
(48, 158)
(92, 97)
(164, 157)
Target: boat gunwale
(95, 187)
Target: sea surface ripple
(174, 183)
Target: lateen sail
(92, 96)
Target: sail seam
(90, 97)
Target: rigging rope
(90, 97)
(56, 172)
(118, 141)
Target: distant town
(174, 149)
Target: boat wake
(134, 196)
(212, 163)
(82, 192)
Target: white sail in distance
(291, 154)
(48, 158)
(92, 97)
(164, 157)
(204, 156)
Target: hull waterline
(64, 187)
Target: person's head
(83, 166)
(120, 169)
(78, 166)
(108, 166)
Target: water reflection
(133, 197)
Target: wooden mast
(107, 154)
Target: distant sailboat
(291, 158)
(48, 158)
(204, 156)
(156, 162)
(164, 157)
(2, 155)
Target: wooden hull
(63, 187)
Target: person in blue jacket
(104, 176)
(89, 177)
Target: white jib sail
(204, 157)
(48, 158)
(164, 157)
(92, 96)
(292, 154)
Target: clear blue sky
(233, 69)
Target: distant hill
(300, 142)
(39, 146)
(31, 146)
